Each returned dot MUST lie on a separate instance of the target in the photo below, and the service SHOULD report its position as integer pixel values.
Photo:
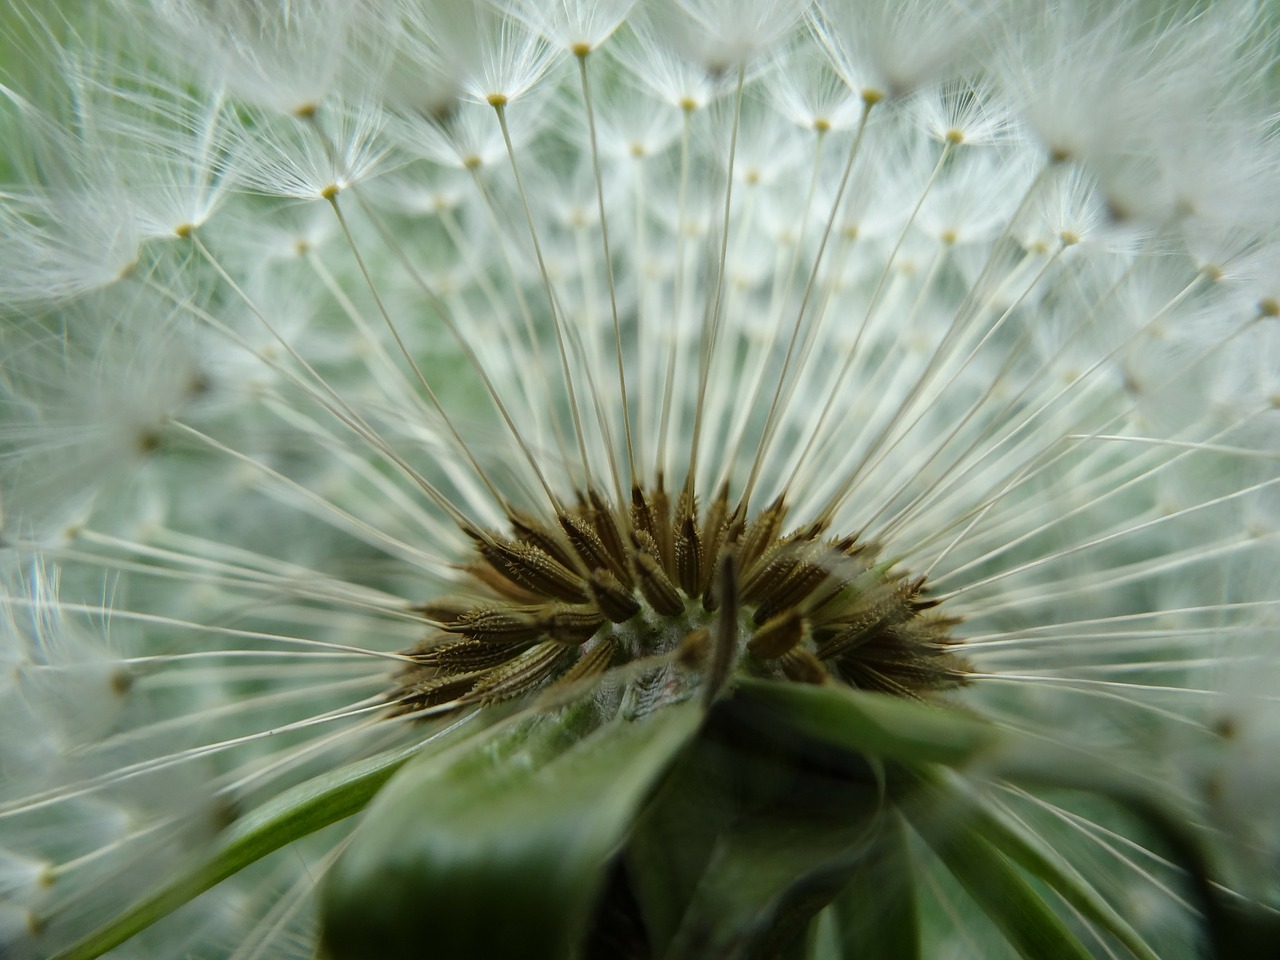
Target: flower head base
(672, 590)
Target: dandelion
(644, 479)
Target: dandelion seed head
(373, 377)
(889, 49)
(286, 58)
(579, 26)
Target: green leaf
(822, 940)
(873, 724)
(876, 914)
(767, 880)
(1233, 928)
(752, 834)
(1017, 909)
(676, 835)
(1032, 856)
(499, 853)
(293, 814)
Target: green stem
(294, 814)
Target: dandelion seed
(576, 456)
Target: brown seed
(446, 609)
(614, 600)
(715, 527)
(689, 558)
(121, 682)
(533, 567)
(497, 581)
(657, 586)
(841, 592)
(852, 636)
(520, 675)
(642, 515)
(591, 549)
(606, 528)
(500, 625)
(660, 505)
(529, 530)
(462, 656)
(591, 664)
(777, 635)
(724, 649)
(760, 534)
(434, 691)
(574, 624)
(803, 667)
(770, 571)
(813, 565)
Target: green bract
(787, 821)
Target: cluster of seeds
(670, 585)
